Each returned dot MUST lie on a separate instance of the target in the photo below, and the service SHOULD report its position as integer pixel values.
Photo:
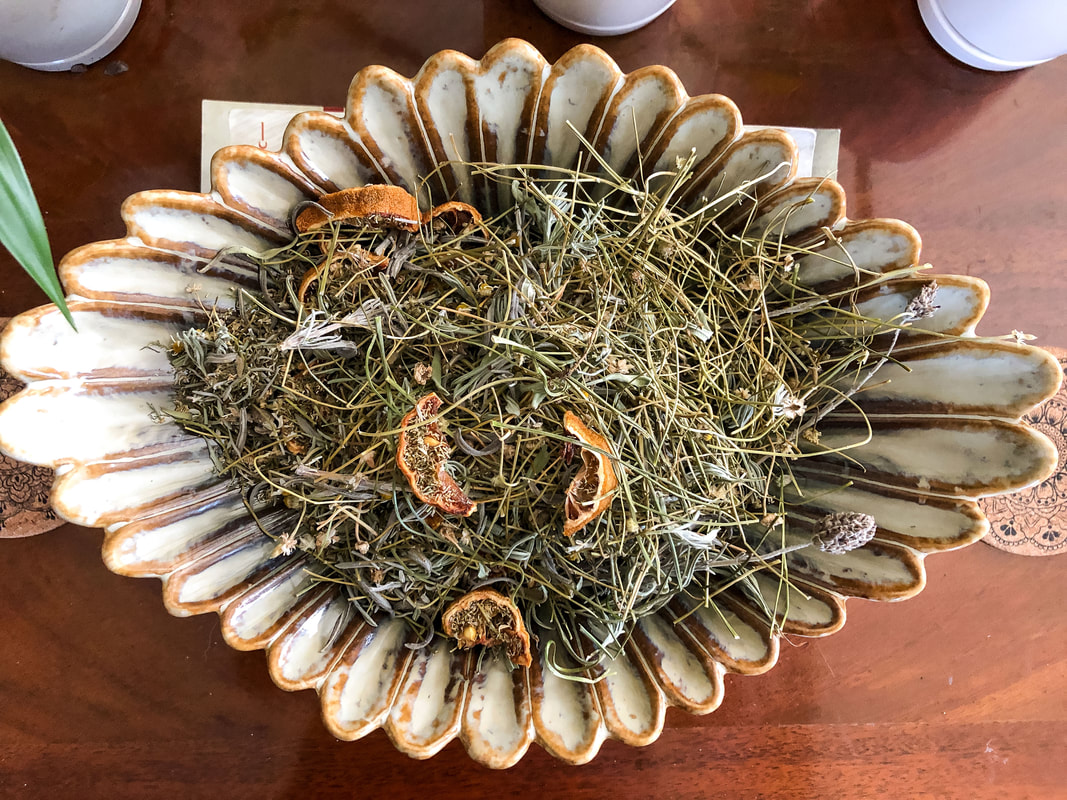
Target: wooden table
(956, 693)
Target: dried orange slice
(488, 618)
(422, 454)
(593, 488)
(389, 204)
(455, 213)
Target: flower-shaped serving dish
(944, 419)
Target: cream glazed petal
(963, 378)
(382, 113)
(875, 571)
(943, 421)
(112, 341)
(327, 151)
(304, 652)
(958, 457)
(497, 721)
(688, 676)
(922, 521)
(210, 583)
(566, 715)
(702, 130)
(574, 97)
(443, 93)
(259, 184)
(647, 99)
(54, 422)
(359, 690)
(868, 247)
(156, 545)
(805, 205)
(757, 163)
(727, 631)
(505, 94)
(101, 271)
(193, 223)
(103, 493)
(253, 619)
(631, 702)
(796, 607)
(959, 301)
(428, 711)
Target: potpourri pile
(576, 408)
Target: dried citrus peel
(422, 453)
(455, 213)
(593, 488)
(389, 204)
(366, 259)
(486, 617)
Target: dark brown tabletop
(959, 692)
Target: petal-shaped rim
(169, 517)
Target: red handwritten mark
(262, 135)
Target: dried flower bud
(844, 531)
(922, 305)
(423, 373)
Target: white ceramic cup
(604, 17)
(998, 35)
(55, 35)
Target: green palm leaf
(22, 227)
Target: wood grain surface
(959, 692)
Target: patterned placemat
(1034, 522)
(24, 508)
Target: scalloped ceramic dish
(945, 421)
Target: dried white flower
(317, 334)
(285, 546)
(786, 404)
